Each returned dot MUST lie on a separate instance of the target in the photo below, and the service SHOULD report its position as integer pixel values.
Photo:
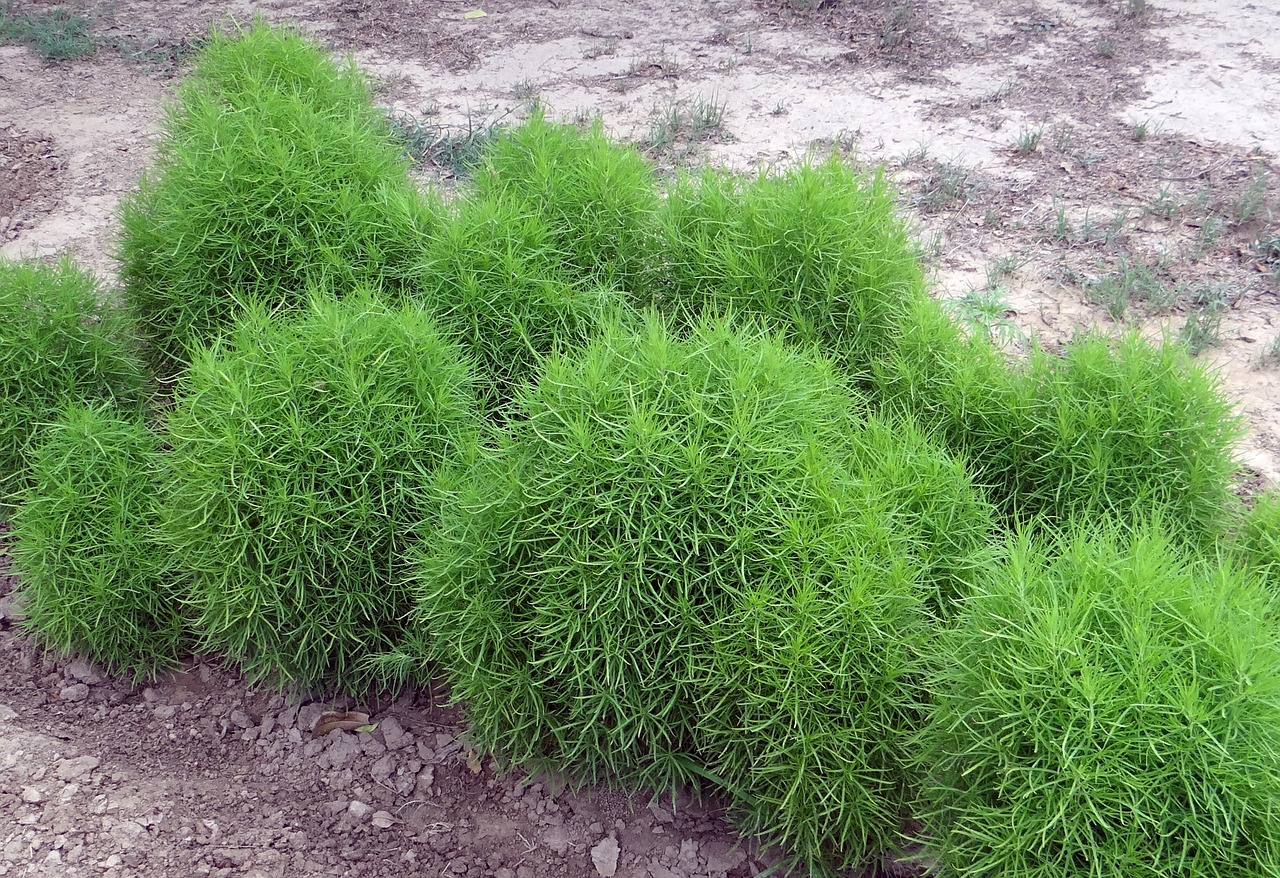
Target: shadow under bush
(94, 576)
(306, 459)
(61, 340)
(1106, 707)
(275, 173)
(683, 565)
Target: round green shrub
(1110, 427)
(495, 275)
(1106, 708)
(61, 340)
(817, 252)
(94, 576)
(686, 562)
(597, 198)
(307, 457)
(274, 175)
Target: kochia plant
(306, 459)
(275, 173)
(1104, 708)
(62, 340)
(688, 562)
(94, 576)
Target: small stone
(605, 857)
(383, 819)
(74, 769)
(7, 713)
(503, 872)
(32, 795)
(83, 672)
(240, 719)
(359, 810)
(394, 735)
(165, 711)
(383, 768)
(336, 807)
(74, 692)
(422, 786)
(556, 839)
(660, 814)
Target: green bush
(306, 459)
(1107, 708)
(1257, 539)
(94, 575)
(274, 174)
(686, 563)
(817, 251)
(597, 198)
(495, 276)
(61, 340)
(1107, 428)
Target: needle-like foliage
(818, 252)
(275, 172)
(61, 340)
(306, 458)
(688, 561)
(94, 577)
(1257, 539)
(495, 275)
(1114, 428)
(597, 198)
(1108, 708)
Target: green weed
(61, 340)
(1028, 140)
(685, 122)
(1203, 326)
(1256, 542)
(55, 34)
(306, 460)
(95, 579)
(457, 149)
(275, 172)
(1102, 709)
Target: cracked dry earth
(1049, 153)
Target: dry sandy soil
(1066, 164)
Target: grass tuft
(61, 340)
(95, 579)
(306, 459)
(1102, 709)
(54, 34)
(1256, 542)
(275, 172)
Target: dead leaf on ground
(346, 720)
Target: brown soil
(1047, 150)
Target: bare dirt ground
(1066, 164)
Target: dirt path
(1067, 164)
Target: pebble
(605, 857)
(394, 735)
(32, 795)
(7, 713)
(74, 769)
(359, 810)
(74, 692)
(83, 672)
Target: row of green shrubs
(693, 486)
